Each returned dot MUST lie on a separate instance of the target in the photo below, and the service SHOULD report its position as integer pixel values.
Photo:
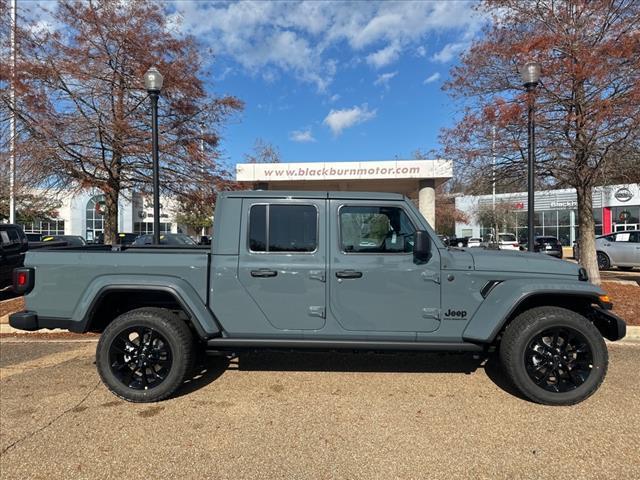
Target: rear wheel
(604, 263)
(554, 356)
(144, 355)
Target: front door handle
(264, 273)
(348, 274)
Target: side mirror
(421, 246)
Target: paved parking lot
(310, 416)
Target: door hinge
(431, 313)
(317, 275)
(432, 276)
(316, 311)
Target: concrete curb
(633, 332)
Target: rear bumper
(29, 321)
(611, 326)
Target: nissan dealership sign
(623, 194)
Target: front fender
(182, 291)
(504, 298)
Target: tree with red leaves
(84, 114)
(587, 104)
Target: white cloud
(432, 78)
(334, 98)
(449, 51)
(301, 38)
(384, 56)
(338, 120)
(302, 136)
(384, 79)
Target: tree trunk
(586, 234)
(111, 216)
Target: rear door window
(283, 228)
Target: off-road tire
(180, 341)
(604, 262)
(525, 327)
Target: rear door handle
(264, 273)
(348, 274)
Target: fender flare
(506, 297)
(202, 318)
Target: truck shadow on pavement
(211, 368)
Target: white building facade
(615, 208)
(81, 213)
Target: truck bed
(77, 270)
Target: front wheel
(554, 356)
(144, 355)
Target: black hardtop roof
(312, 194)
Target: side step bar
(266, 343)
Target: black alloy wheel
(146, 354)
(554, 356)
(140, 357)
(558, 359)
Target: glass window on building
(95, 218)
(625, 218)
(144, 228)
(45, 227)
(597, 220)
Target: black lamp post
(153, 84)
(530, 74)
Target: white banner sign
(266, 172)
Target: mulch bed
(10, 306)
(626, 301)
(51, 336)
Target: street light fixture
(153, 83)
(530, 75)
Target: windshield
(506, 237)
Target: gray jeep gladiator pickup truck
(321, 270)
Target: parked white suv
(508, 241)
(474, 242)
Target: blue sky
(330, 81)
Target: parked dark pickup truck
(318, 270)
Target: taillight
(23, 280)
(515, 244)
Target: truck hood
(522, 262)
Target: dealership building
(81, 213)
(615, 208)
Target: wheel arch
(102, 303)
(506, 301)
(579, 303)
